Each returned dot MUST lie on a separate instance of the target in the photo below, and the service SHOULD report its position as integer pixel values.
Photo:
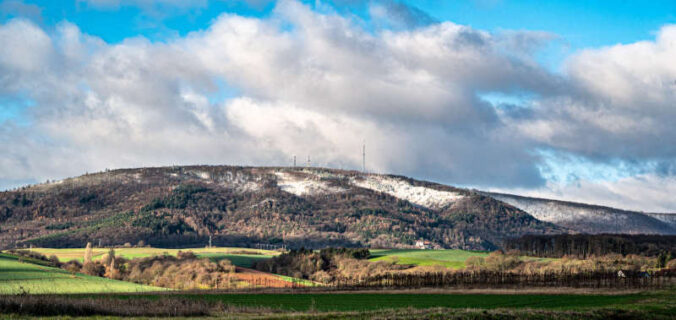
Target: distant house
(423, 244)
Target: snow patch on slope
(669, 218)
(589, 219)
(422, 196)
(302, 185)
(239, 181)
(201, 174)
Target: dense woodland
(584, 245)
(184, 206)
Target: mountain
(587, 218)
(295, 207)
(246, 206)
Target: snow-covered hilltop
(402, 189)
(590, 218)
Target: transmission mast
(363, 158)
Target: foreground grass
(23, 277)
(240, 257)
(375, 301)
(652, 305)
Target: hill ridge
(177, 206)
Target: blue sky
(570, 99)
(579, 23)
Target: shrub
(185, 271)
(94, 269)
(54, 260)
(72, 266)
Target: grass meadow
(374, 301)
(350, 305)
(81, 295)
(26, 277)
(451, 258)
(240, 257)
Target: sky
(572, 100)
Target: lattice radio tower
(363, 158)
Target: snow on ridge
(555, 212)
(669, 218)
(304, 185)
(422, 196)
(589, 218)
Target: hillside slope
(590, 218)
(246, 206)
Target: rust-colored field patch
(257, 278)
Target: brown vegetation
(185, 271)
(174, 206)
(259, 279)
(327, 265)
(341, 267)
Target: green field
(239, 256)
(17, 277)
(451, 258)
(345, 305)
(372, 301)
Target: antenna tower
(363, 158)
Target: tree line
(586, 245)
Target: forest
(175, 207)
(586, 245)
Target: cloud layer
(300, 82)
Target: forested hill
(311, 207)
(245, 206)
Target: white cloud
(320, 87)
(319, 84)
(619, 103)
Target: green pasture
(375, 301)
(239, 256)
(451, 258)
(22, 276)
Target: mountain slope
(244, 206)
(590, 218)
